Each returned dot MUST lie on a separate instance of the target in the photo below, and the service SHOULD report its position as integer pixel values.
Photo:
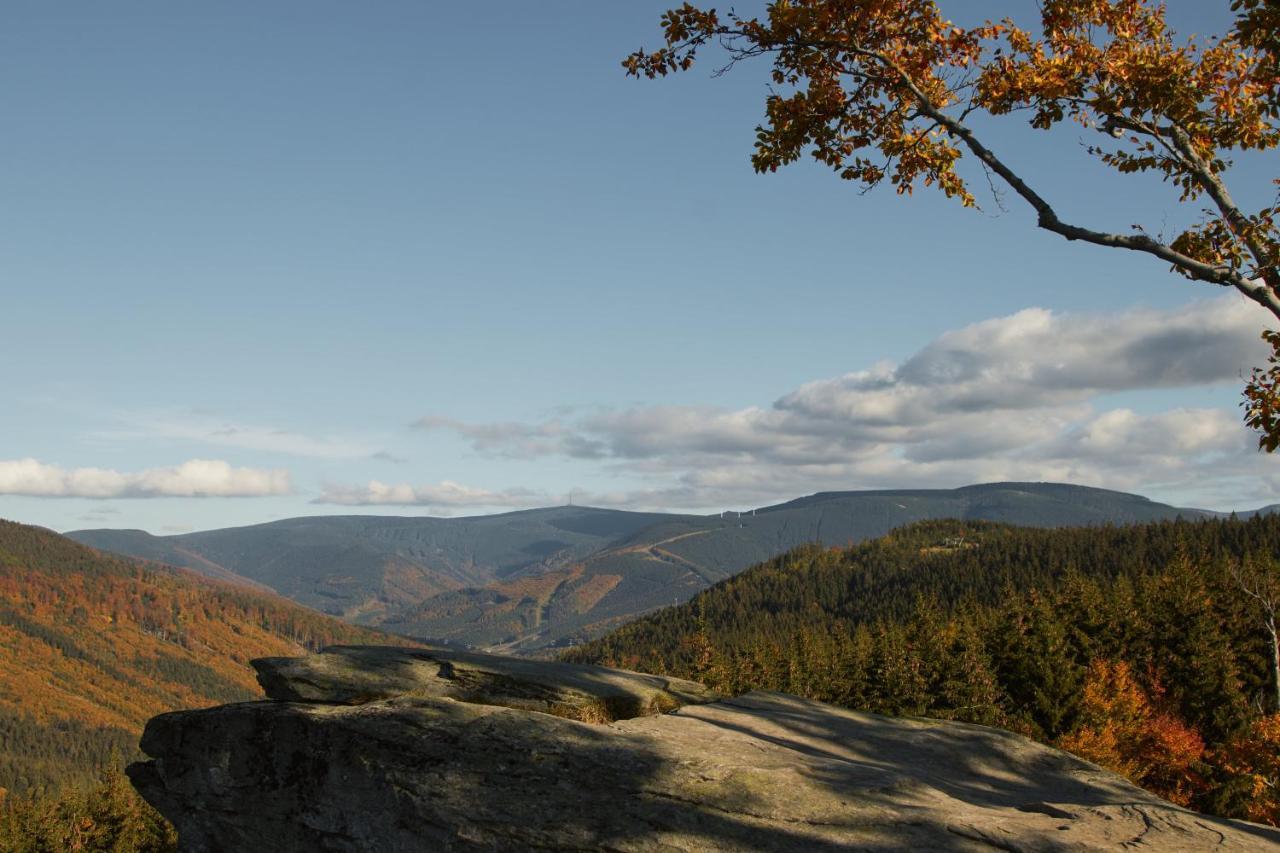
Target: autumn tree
(885, 90)
(1253, 757)
(1123, 730)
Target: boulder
(420, 750)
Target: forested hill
(883, 579)
(92, 645)
(1132, 646)
(669, 560)
(365, 568)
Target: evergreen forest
(1136, 647)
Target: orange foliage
(593, 588)
(1255, 756)
(112, 642)
(1122, 730)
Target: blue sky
(427, 258)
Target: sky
(267, 260)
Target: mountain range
(535, 580)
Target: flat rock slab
(355, 675)
(420, 772)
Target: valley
(533, 581)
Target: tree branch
(1217, 190)
(1257, 290)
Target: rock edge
(416, 750)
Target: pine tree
(1191, 651)
(1038, 666)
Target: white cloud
(1012, 398)
(196, 478)
(1035, 358)
(445, 495)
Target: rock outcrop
(417, 750)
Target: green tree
(964, 684)
(1038, 666)
(899, 682)
(108, 816)
(1190, 649)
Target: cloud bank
(1011, 398)
(196, 478)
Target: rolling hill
(93, 645)
(362, 567)
(884, 579)
(530, 581)
(668, 562)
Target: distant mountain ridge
(670, 562)
(542, 578)
(361, 567)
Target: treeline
(1131, 646)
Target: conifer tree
(1038, 666)
(1191, 652)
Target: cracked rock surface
(421, 750)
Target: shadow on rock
(761, 772)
